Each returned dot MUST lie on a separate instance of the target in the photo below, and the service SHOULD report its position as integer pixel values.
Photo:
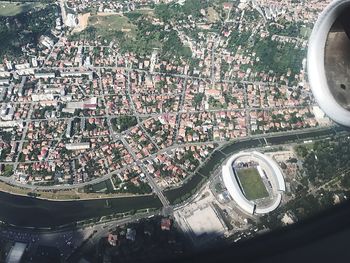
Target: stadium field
(252, 183)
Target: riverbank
(60, 195)
(23, 211)
(185, 191)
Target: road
(52, 207)
(165, 74)
(69, 241)
(135, 112)
(178, 116)
(139, 117)
(100, 231)
(63, 11)
(115, 137)
(149, 178)
(21, 142)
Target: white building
(71, 20)
(274, 175)
(78, 146)
(4, 81)
(44, 75)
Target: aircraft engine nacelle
(329, 61)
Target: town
(180, 125)
(78, 109)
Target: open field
(15, 8)
(212, 16)
(251, 183)
(83, 22)
(108, 22)
(144, 11)
(105, 25)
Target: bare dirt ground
(83, 22)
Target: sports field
(252, 184)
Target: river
(32, 212)
(25, 211)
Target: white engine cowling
(329, 61)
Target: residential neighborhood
(81, 108)
(144, 130)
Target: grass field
(144, 11)
(212, 16)
(107, 25)
(15, 8)
(252, 184)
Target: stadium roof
(235, 191)
(274, 167)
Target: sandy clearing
(83, 22)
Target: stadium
(254, 181)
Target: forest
(25, 29)
(326, 165)
(326, 160)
